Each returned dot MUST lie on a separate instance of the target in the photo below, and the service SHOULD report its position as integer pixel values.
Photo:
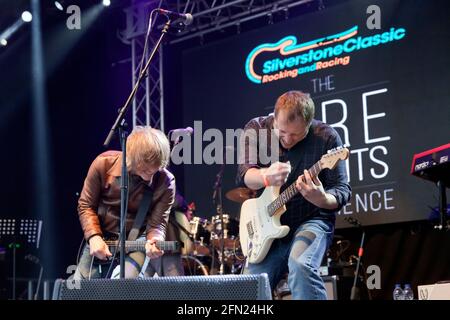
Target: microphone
(186, 18)
(179, 132)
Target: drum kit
(207, 257)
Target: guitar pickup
(250, 230)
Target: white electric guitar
(260, 218)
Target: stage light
(59, 6)
(3, 42)
(106, 3)
(27, 16)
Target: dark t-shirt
(320, 138)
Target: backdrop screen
(385, 90)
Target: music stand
(18, 232)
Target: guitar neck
(140, 245)
(291, 191)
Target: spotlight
(27, 16)
(106, 3)
(3, 42)
(59, 6)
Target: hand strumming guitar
(151, 250)
(276, 174)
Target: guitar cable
(113, 259)
(90, 267)
(79, 250)
(83, 241)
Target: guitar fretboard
(140, 245)
(291, 191)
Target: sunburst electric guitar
(260, 218)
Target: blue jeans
(165, 266)
(301, 258)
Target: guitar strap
(179, 226)
(142, 211)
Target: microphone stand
(120, 125)
(355, 292)
(442, 206)
(41, 271)
(14, 246)
(217, 199)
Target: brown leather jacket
(99, 203)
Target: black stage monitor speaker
(223, 287)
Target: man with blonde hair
(148, 154)
(311, 213)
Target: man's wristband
(265, 180)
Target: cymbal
(228, 243)
(240, 194)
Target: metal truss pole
(209, 16)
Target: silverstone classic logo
(270, 62)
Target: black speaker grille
(224, 287)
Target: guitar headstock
(333, 156)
